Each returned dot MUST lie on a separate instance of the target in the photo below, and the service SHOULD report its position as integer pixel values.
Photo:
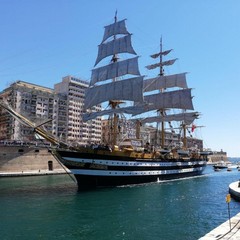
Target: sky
(43, 41)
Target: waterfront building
(77, 131)
(126, 129)
(148, 133)
(31, 100)
(173, 139)
(63, 105)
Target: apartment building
(63, 105)
(77, 131)
(33, 101)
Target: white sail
(187, 118)
(176, 80)
(120, 45)
(129, 89)
(114, 29)
(126, 110)
(161, 53)
(113, 70)
(179, 99)
(166, 63)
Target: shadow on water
(29, 185)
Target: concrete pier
(34, 173)
(223, 232)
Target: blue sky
(43, 41)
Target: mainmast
(162, 110)
(161, 64)
(160, 55)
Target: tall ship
(120, 87)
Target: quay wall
(218, 157)
(17, 159)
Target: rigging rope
(54, 155)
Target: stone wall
(23, 158)
(218, 157)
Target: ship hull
(219, 166)
(93, 181)
(98, 170)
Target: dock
(33, 173)
(224, 232)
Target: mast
(106, 85)
(161, 66)
(184, 137)
(162, 110)
(138, 126)
(178, 99)
(114, 104)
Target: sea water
(51, 207)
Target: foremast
(112, 103)
(107, 83)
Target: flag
(193, 127)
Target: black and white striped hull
(93, 172)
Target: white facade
(77, 131)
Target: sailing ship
(121, 164)
(128, 162)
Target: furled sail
(114, 29)
(165, 63)
(168, 81)
(187, 118)
(156, 55)
(120, 45)
(114, 70)
(129, 89)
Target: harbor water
(51, 207)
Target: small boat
(221, 165)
